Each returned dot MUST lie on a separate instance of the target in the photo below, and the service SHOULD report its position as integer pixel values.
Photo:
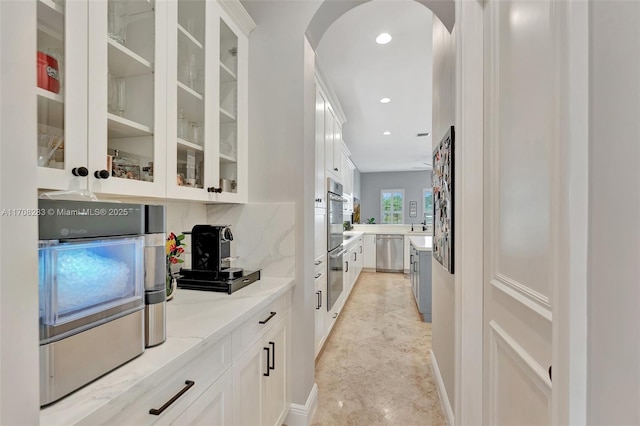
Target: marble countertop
(346, 244)
(422, 243)
(390, 229)
(193, 319)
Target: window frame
(424, 207)
(382, 211)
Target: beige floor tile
(375, 367)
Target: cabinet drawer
(202, 369)
(251, 330)
(320, 266)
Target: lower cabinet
(213, 407)
(370, 252)
(260, 380)
(420, 277)
(320, 312)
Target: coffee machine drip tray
(226, 280)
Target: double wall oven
(335, 203)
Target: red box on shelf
(48, 73)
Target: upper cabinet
(144, 98)
(207, 102)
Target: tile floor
(375, 367)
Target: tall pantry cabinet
(152, 99)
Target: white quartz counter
(390, 229)
(348, 243)
(421, 243)
(194, 318)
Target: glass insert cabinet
(143, 98)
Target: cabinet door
(214, 407)
(320, 149)
(247, 386)
(62, 108)
(320, 312)
(329, 141)
(407, 254)
(274, 385)
(320, 232)
(370, 251)
(127, 105)
(337, 148)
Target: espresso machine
(211, 262)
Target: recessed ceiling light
(383, 38)
(386, 133)
(385, 100)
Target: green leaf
(180, 237)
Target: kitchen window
(428, 205)
(392, 203)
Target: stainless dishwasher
(389, 253)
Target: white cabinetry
(113, 126)
(207, 109)
(321, 106)
(105, 128)
(260, 391)
(214, 407)
(320, 232)
(370, 252)
(333, 144)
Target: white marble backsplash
(181, 217)
(263, 235)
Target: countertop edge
(419, 245)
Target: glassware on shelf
(48, 144)
(183, 127)
(192, 69)
(118, 20)
(197, 132)
(112, 93)
(122, 96)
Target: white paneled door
(524, 66)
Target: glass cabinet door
(61, 94)
(126, 97)
(228, 109)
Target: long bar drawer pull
(273, 356)
(268, 368)
(273, 314)
(158, 411)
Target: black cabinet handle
(158, 411)
(318, 200)
(550, 378)
(318, 276)
(101, 174)
(318, 262)
(347, 270)
(410, 259)
(273, 356)
(267, 373)
(321, 298)
(80, 171)
(318, 300)
(360, 249)
(214, 189)
(335, 315)
(335, 169)
(355, 256)
(264, 321)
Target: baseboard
(442, 391)
(301, 415)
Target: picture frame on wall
(443, 200)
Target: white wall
(413, 184)
(282, 150)
(19, 379)
(613, 358)
(443, 332)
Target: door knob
(101, 174)
(80, 171)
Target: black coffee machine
(211, 262)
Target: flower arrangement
(174, 248)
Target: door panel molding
(502, 342)
(530, 298)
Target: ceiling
(361, 72)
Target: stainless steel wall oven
(335, 203)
